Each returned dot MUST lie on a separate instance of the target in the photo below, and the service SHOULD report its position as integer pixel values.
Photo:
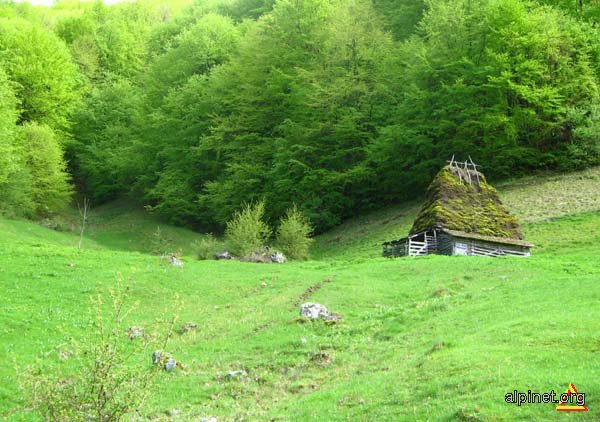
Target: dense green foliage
(49, 188)
(338, 106)
(8, 116)
(40, 67)
(106, 128)
(38, 90)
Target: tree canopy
(334, 107)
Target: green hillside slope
(421, 338)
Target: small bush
(107, 376)
(159, 244)
(207, 247)
(247, 232)
(293, 234)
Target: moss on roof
(454, 203)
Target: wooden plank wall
(443, 244)
(480, 248)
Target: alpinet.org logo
(569, 401)
(579, 401)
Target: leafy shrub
(293, 234)
(207, 247)
(247, 232)
(104, 377)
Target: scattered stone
(65, 354)
(223, 255)
(156, 356)
(174, 413)
(135, 332)
(278, 258)
(187, 327)
(170, 365)
(173, 260)
(263, 284)
(262, 256)
(350, 401)
(313, 310)
(303, 340)
(164, 360)
(236, 374)
(209, 419)
(332, 317)
(321, 358)
(265, 256)
(442, 292)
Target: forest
(195, 108)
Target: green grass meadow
(431, 338)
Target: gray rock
(261, 256)
(278, 258)
(223, 255)
(236, 374)
(174, 413)
(332, 317)
(164, 360)
(65, 354)
(313, 310)
(156, 356)
(170, 365)
(187, 327)
(173, 260)
(135, 332)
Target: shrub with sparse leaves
(105, 377)
(207, 247)
(247, 232)
(294, 234)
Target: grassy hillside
(122, 225)
(421, 338)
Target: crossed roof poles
(468, 167)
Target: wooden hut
(462, 215)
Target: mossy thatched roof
(455, 203)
